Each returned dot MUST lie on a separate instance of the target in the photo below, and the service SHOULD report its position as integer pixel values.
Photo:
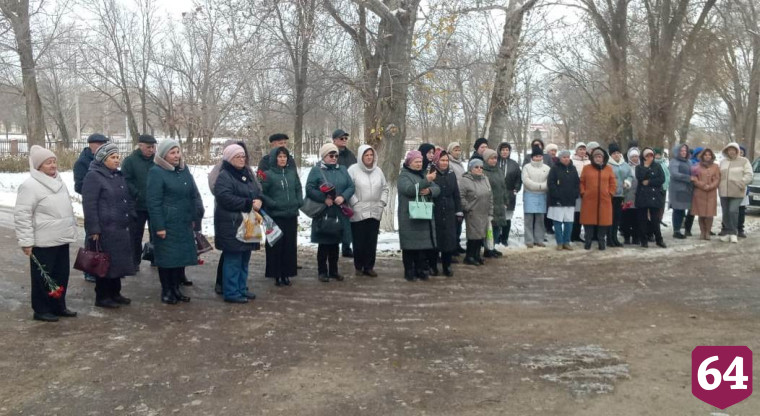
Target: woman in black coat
(563, 185)
(108, 209)
(447, 212)
(649, 197)
(236, 191)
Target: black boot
(589, 234)
(470, 256)
(175, 289)
(478, 246)
(277, 281)
(602, 234)
(167, 295)
(687, 224)
(447, 271)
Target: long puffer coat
(415, 234)
(337, 175)
(174, 205)
(651, 194)
(107, 209)
(598, 185)
(446, 206)
(235, 192)
(681, 188)
(477, 204)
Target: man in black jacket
(275, 141)
(82, 165)
(135, 169)
(345, 158)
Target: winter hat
(614, 147)
(38, 155)
(579, 145)
(105, 151)
(551, 146)
(411, 156)
(480, 141)
(147, 139)
(473, 163)
(646, 151)
(439, 153)
(489, 153)
(164, 146)
(597, 150)
(425, 148)
(658, 150)
(536, 151)
(327, 148)
(232, 151)
(563, 153)
(278, 136)
(592, 145)
(743, 150)
(97, 138)
(339, 133)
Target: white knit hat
(38, 155)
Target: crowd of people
(600, 192)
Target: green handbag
(420, 210)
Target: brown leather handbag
(95, 262)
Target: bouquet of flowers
(54, 290)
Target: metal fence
(17, 145)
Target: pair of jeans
(730, 207)
(534, 228)
(55, 261)
(365, 234)
(562, 232)
(235, 273)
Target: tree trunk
(17, 12)
(497, 117)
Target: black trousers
(171, 276)
(617, 216)
(473, 249)
(55, 261)
(629, 224)
(742, 217)
(220, 271)
(576, 234)
(281, 259)
(365, 234)
(327, 259)
(649, 223)
(136, 231)
(107, 288)
(415, 261)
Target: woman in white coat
(45, 226)
(369, 201)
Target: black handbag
(147, 252)
(201, 243)
(328, 225)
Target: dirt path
(534, 333)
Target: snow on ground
(387, 241)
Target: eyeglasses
(332, 155)
(477, 167)
(342, 138)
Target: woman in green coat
(416, 236)
(329, 183)
(175, 209)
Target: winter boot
(167, 295)
(687, 224)
(175, 289)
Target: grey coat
(681, 188)
(414, 234)
(477, 204)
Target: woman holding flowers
(45, 225)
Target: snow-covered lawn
(387, 241)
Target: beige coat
(735, 174)
(704, 202)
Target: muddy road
(536, 332)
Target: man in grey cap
(345, 158)
(82, 165)
(135, 169)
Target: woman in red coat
(598, 185)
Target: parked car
(754, 187)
